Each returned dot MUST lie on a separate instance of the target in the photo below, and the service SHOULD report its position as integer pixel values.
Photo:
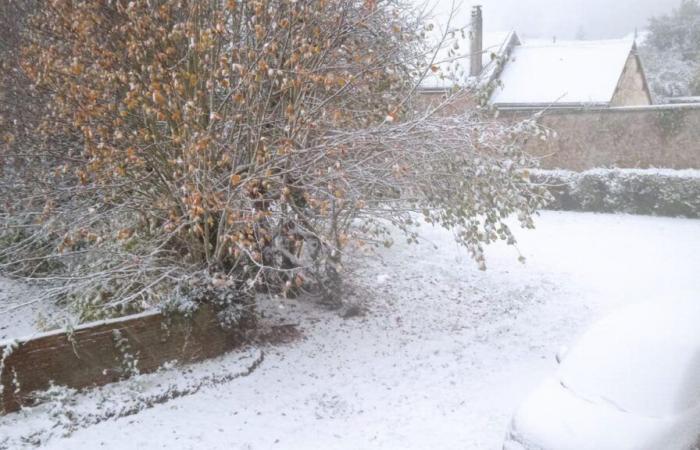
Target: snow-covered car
(632, 381)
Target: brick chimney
(477, 42)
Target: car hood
(555, 417)
(643, 359)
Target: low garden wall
(102, 352)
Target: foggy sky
(597, 19)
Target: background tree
(224, 145)
(671, 51)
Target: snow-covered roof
(639, 36)
(452, 58)
(563, 72)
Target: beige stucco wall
(665, 136)
(631, 89)
(458, 103)
(655, 136)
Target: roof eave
(545, 106)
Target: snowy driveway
(445, 352)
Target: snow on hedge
(661, 192)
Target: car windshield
(643, 360)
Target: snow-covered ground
(20, 313)
(441, 358)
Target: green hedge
(660, 192)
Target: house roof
(452, 58)
(562, 73)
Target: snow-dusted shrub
(671, 51)
(248, 140)
(653, 191)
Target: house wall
(632, 88)
(458, 102)
(665, 136)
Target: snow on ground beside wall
(440, 360)
(23, 314)
(10, 324)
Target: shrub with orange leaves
(251, 140)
